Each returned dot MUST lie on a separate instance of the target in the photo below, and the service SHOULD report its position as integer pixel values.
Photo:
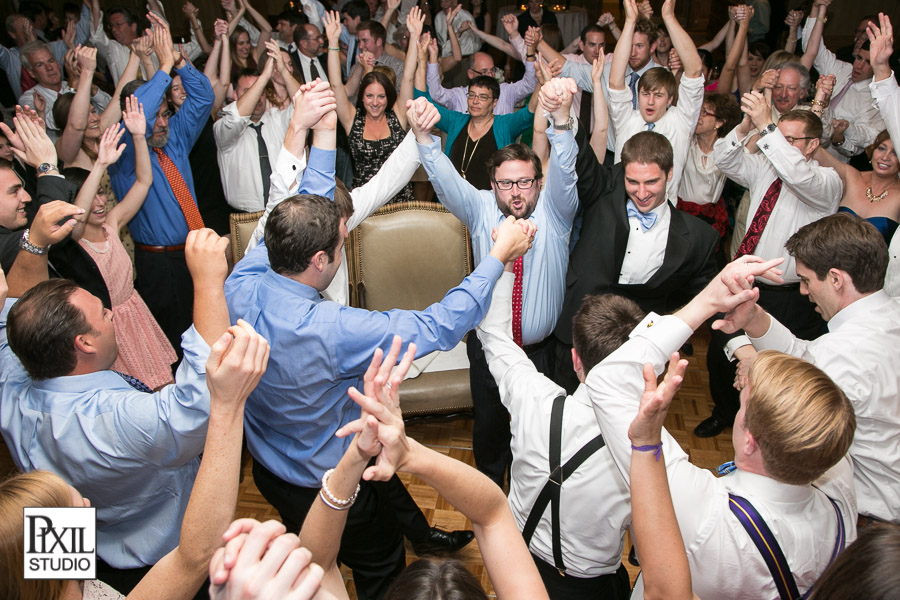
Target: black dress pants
(786, 304)
(165, 284)
(490, 433)
(371, 545)
(614, 586)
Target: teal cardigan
(506, 127)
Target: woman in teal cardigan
(468, 143)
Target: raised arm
(664, 564)
(681, 41)
(107, 154)
(192, 12)
(448, 62)
(493, 40)
(414, 22)
(136, 124)
(113, 112)
(265, 30)
(738, 47)
(609, 21)
(623, 48)
(819, 9)
(346, 112)
(69, 143)
(714, 43)
(503, 550)
(792, 20)
(601, 113)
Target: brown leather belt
(145, 248)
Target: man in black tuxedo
(633, 242)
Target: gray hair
(29, 49)
(801, 70)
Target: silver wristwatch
(568, 126)
(26, 245)
(45, 168)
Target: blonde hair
(38, 488)
(801, 420)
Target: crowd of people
(616, 201)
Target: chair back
(242, 227)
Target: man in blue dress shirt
(161, 226)
(321, 348)
(133, 453)
(516, 181)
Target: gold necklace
(463, 164)
(872, 197)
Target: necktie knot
(646, 219)
(650, 126)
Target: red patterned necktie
(181, 190)
(754, 232)
(517, 301)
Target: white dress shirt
(468, 43)
(725, 564)
(808, 193)
(238, 153)
(677, 124)
(305, 65)
(886, 94)
(646, 250)
(595, 505)
(859, 353)
(855, 106)
(395, 173)
(580, 71)
(701, 181)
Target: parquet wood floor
(454, 438)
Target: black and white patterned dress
(369, 155)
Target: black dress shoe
(439, 541)
(711, 427)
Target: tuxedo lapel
(678, 245)
(620, 231)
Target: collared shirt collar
(867, 304)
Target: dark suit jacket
(596, 261)
(67, 259)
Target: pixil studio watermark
(60, 543)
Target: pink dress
(144, 351)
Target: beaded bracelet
(655, 448)
(330, 499)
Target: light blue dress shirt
(321, 348)
(160, 222)
(133, 455)
(545, 265)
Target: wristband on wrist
(655, 448)
(333, 501)
(335, 49)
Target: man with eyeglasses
(856, 119)
(481, 64)
(516, 177)
(307, 45)
(788, 189)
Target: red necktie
(754, 232)
(181, 190)
(517, 302)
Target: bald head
(480, 63)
